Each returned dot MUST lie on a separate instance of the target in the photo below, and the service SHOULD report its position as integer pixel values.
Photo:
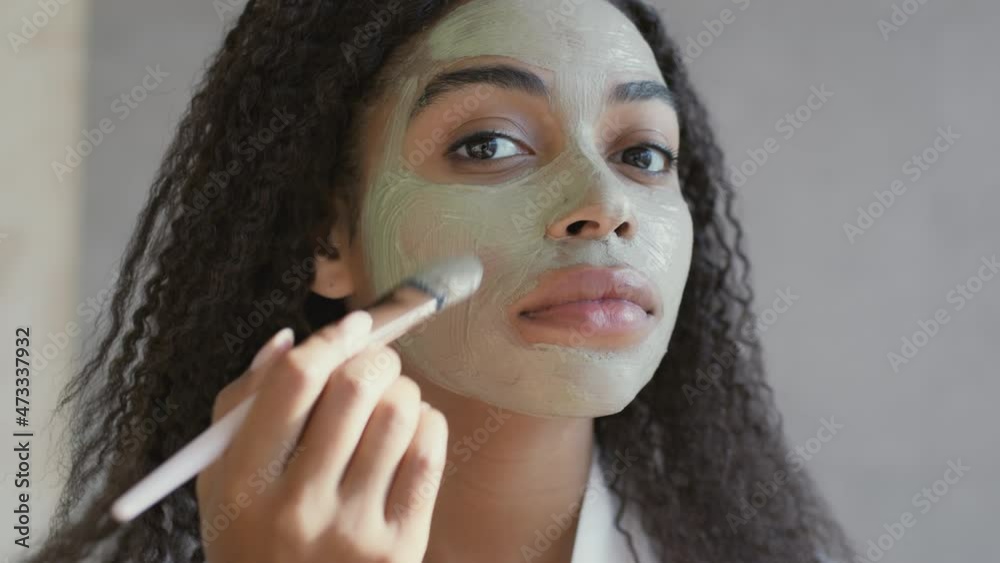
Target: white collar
(597, 538)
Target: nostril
(575, 227)
(624, 230)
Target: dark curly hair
(233, 211)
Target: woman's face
(539, 136)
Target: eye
(485, 145)
(650, 158)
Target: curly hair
(232, 217)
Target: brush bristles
(450, 280)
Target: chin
(558, 407)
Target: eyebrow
(642, 90)
(513, 78)
(501, 76)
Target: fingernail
(357, 323)
(424, 406)
(281, 341)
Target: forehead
(578, 36)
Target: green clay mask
(474, 349)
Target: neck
(508, 480)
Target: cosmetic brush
(414, 300)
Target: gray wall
(827, 352)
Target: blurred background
(859, 134)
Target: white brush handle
(183, 465)
(209, 445)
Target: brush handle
(183, 465)
(390, 320)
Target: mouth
(609, 307)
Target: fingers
(278, 343)
(339, 418)
(240, 388)
(411, 499)
(289, 391)
(386, 437)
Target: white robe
(597, 538)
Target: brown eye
(485, 145)
(654, 160)
(481, 150)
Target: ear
(333, 274)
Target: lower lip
(599, 316)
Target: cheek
(449, 220)
(670, 245)
(435, 225)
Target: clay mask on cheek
(473, 349)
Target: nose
(606, 209)
(594, 222)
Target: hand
(336, 461)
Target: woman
(333, 148)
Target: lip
(608, 306)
